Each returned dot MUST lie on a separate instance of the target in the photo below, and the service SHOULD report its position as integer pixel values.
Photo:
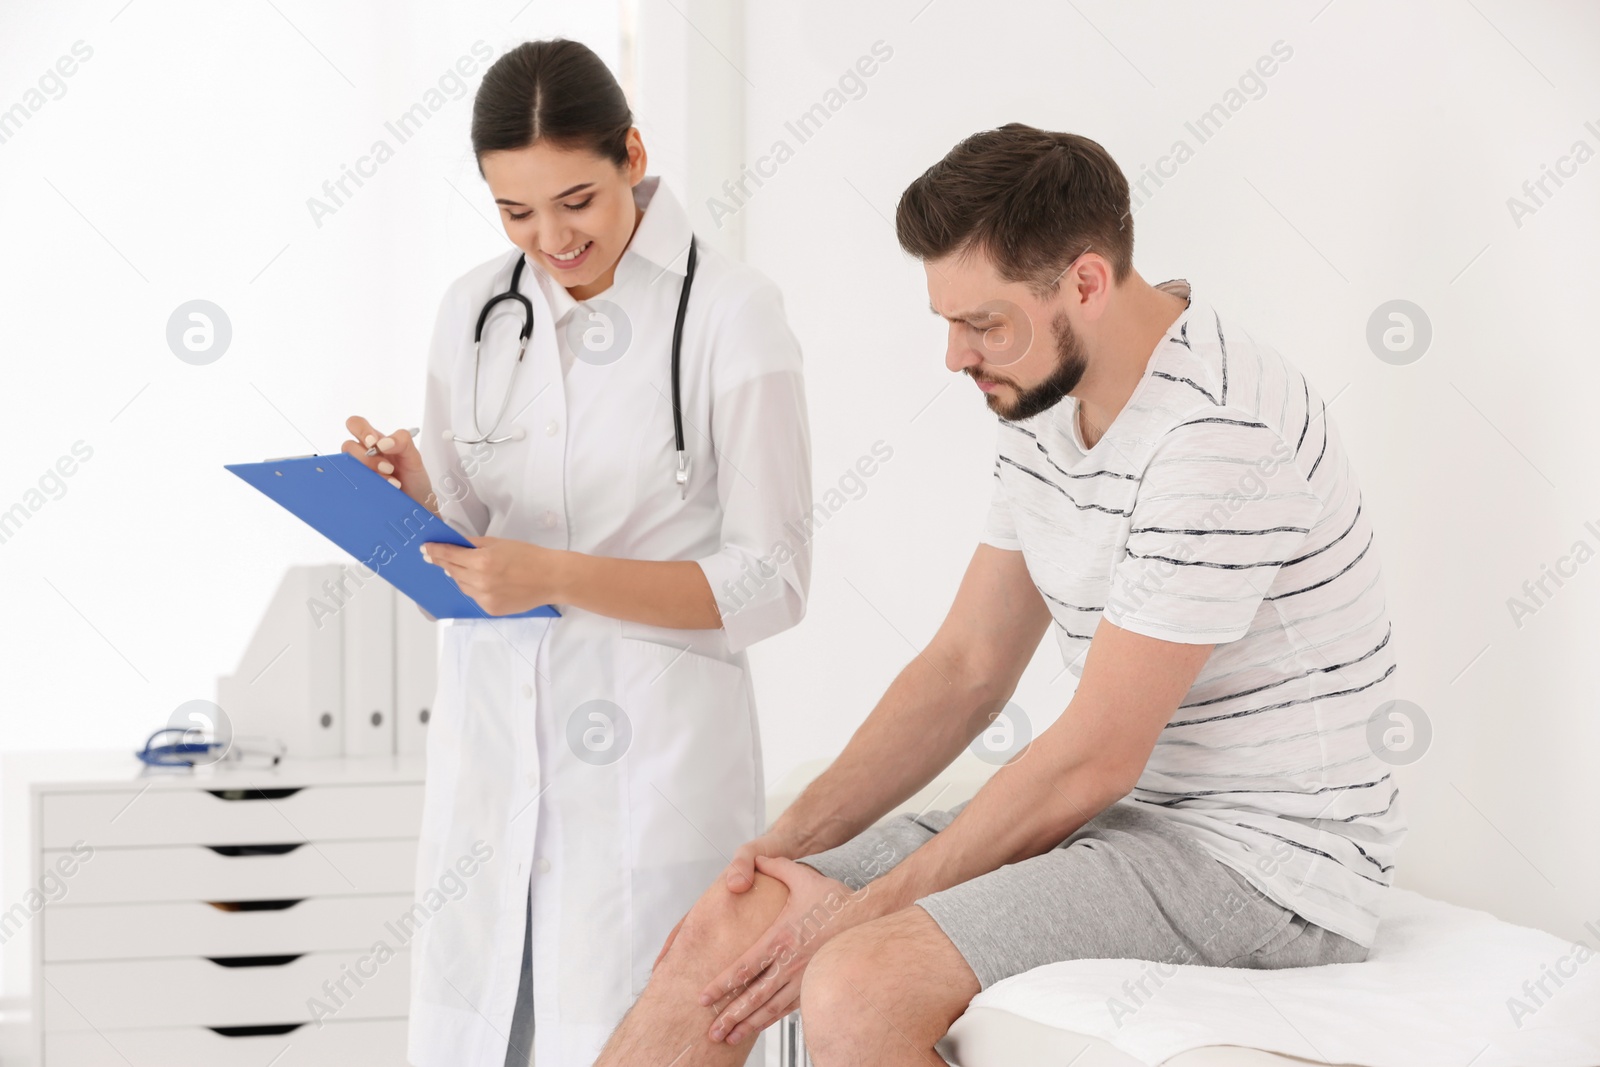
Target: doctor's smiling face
(555, 140)
(570, 208)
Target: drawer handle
(253, 961)
(271, 1030)
(254, 794)
(254, 905)
(255, 850)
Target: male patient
(1172, 502)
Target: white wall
(178, 164)
(688, 100)
(1375, 165)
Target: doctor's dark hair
(1031, 200)
(557, 91)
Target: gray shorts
(1129, 884)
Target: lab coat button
(551, 428)
(544, 865)
(550, 520)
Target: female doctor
(588, 776)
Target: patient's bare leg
(666, 1025)
(884, 993)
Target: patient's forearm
(1090, 757)
(930, 712)
(1028, 807)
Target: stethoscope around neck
(681, 476)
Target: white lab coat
(617, 851)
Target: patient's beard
(1070, 365)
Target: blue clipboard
(357, 509)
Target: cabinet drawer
(129, 994)
(231, 817)
(194, 928)
(312, 869)
(372, 1043)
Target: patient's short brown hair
(1030, 199)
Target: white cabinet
(224, 915)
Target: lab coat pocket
(691, 782)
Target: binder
(367, 617)
(416, 675)
(287, 684)
(357, 509)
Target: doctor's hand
(763, 984)
(504, 576)
(398, 459)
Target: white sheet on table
(1436, 990)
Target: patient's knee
(839, 984)
(725, 923)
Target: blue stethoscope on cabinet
(185, 746)
(682, 475)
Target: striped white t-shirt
(1220, 508)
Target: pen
(412, 430)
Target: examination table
(1443, 986)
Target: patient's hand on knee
(741, 870)
(668, 1020)
(761, 984)
(715, 949)
(720, 926)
